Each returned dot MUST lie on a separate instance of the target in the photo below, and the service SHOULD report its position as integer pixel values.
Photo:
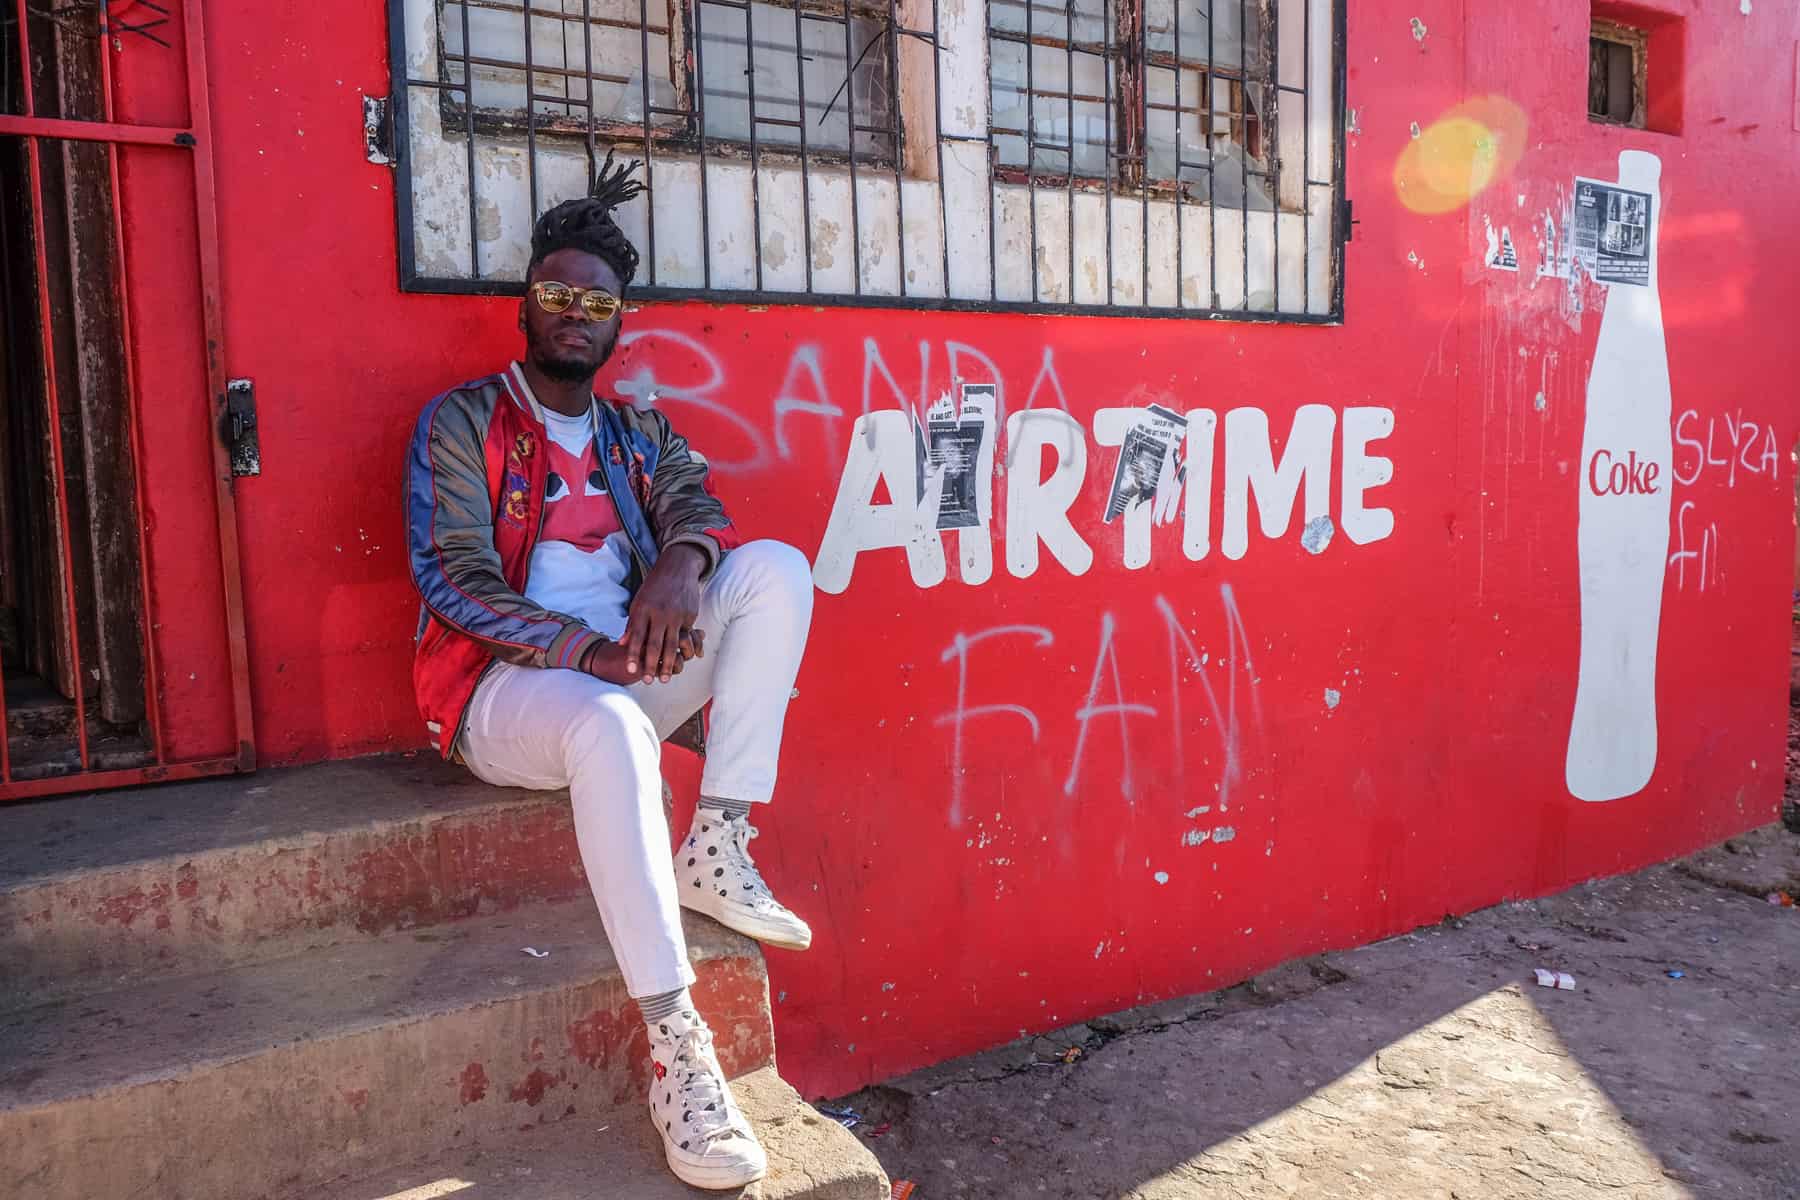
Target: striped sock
(728, 808)
(664, 1004)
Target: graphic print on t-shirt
(577, 509)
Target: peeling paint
(1195, 837)
(487, 221)
(1419, 30)
(825, 240)
(775, 250)
(1415, 130)
(1333, 697)
(1224, 833)
(531, 1089)
(1317, 534)
(1161, 877)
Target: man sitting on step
(584, 596)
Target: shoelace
(698, 1087)
(739, 853)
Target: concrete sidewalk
(1429, 1065)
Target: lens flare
(1459, 155)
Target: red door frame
(195, 141)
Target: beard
(563, 366)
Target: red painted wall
(1072, 885)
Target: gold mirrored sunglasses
(555, 297)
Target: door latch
(238, 428)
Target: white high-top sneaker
(708, 1142)
(714, 875)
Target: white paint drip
(1333, 697)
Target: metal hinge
(378, 131)
(238, 428)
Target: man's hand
(607, 660)
(660, 633)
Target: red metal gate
(116, 19)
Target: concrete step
(276, 1074)
(810, 1158)
(102, 890)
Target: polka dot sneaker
(706, 1139)
(714, 875)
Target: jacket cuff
(706, 544)
(571, 646)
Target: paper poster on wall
(952, 440)
(1501, 254)
(1148, 461)
(1612, 232)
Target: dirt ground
(1428, 1065)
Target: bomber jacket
(475, 478)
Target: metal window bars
(1155, 158)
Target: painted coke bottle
(1625, 481)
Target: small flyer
(1149, 456)
(1505, 256)
(1611, 235)
(954, 441)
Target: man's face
(567, 345)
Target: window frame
(1322, 135)
(681, 135)
(1126, 139)
(1637, 41)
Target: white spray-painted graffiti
(1189, 668)
(937, 464)
(1750, 450)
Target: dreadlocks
(587, 224)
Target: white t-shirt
(582, 559)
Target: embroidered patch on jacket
(618, 455)
(513, 502)
(525, 444)
(639, 478)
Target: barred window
(1164, 91)
(1167, 157)
(781, 59)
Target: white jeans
(553, 728)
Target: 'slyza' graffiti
(939, 474)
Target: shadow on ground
(1428, 1065)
